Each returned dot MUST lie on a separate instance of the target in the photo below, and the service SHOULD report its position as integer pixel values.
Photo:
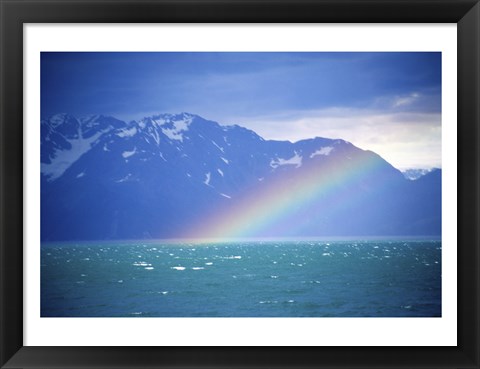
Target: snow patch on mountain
(57, 120)
(155, 136)
(127, 132)
(183, 124)
(207, 179)
(89, 121)
(220, 148)
(63, 159)
(414, 174)
(173, 134)
(294, 160)
(127, 154)
(322, 151)
(124, 179)
(178, 127)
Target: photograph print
(241, 184)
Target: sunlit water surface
(242, 279)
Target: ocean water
(393, 278)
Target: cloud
(427, 100)
(405, 100)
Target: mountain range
(182, 176)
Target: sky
(386, 102)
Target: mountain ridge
(103, 178)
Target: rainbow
(268, 208)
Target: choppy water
(243, 279)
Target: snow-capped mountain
(103, 178)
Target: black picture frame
(15, 13)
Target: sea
(267, 278)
